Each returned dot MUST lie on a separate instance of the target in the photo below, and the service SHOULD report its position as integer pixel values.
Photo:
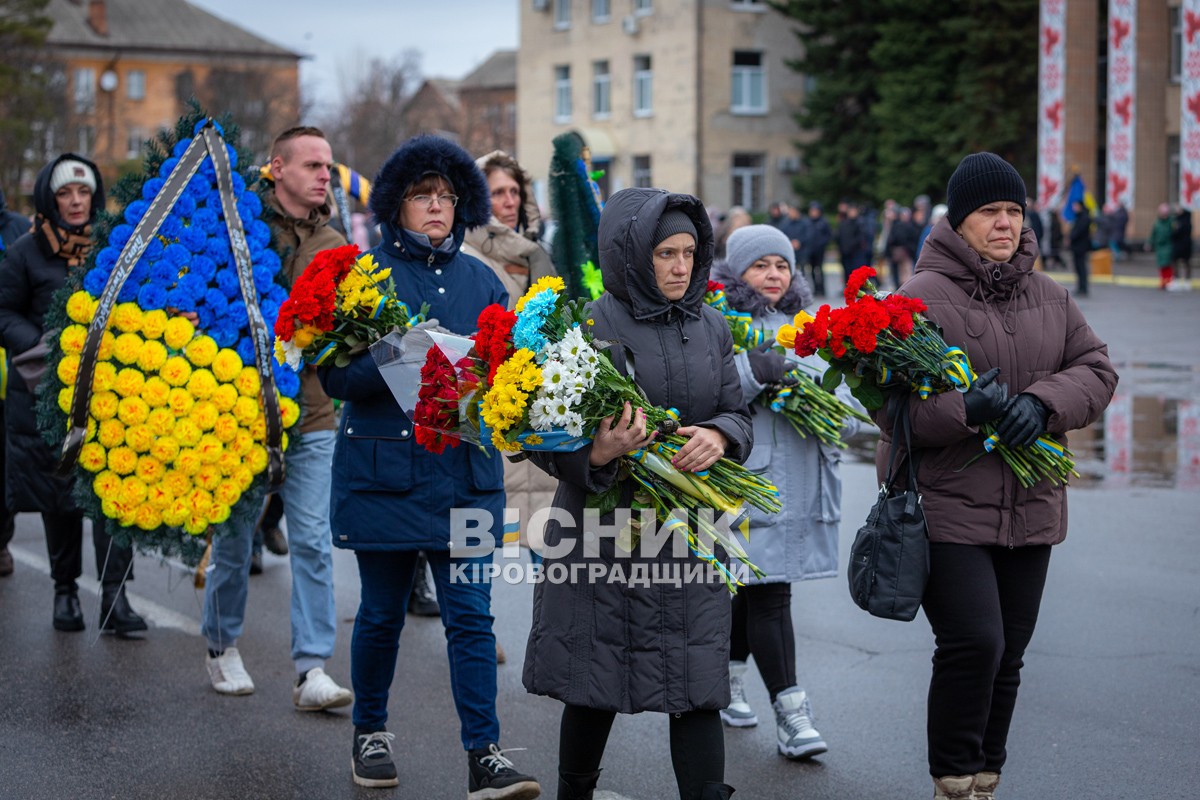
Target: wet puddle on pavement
(1149, 436)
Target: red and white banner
(1189, 445)
(1052, 70)
(1122, 100)
(1118, 440)
(1189, 112)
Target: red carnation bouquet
(339, 306)
(879, 341)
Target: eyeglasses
(430, 200)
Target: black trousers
(697, 745)
(7, 526)
(762, 627)
(982, 603)
(64, 543)
(816, 268)
(1080, 257)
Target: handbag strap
(902, 426)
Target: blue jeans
(306, 503)
(387, 578)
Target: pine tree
(27, 102)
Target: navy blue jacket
(389, 493)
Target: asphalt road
(1109, 706)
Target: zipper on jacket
(432, 253)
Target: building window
(748, 5)
(601, 10)
(643, 7)
(601, 90)
(86, 140)
(133, 147)
(85, 90)
(642, 178)
(643, 86)
(562, 14)
(748, 174)
(1176, 55)
(562, 93)
(135, 84)
(749, 83)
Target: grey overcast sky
(453, 36)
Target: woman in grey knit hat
(801, 541)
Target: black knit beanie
(979, 179)
(673, 222)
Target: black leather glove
(986, 400)
(1024, 422)
(766, 365)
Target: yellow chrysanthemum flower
(72, 338)
(104, 377)
(229, 462)
(106, 484)
(103, 405)
(176, 371)
(247, 382)
(133, 490)
(541, 284)
(225, 427)
(208, 478)
(283, 441)
(201, 384)
(127, 348)
(129, 382)
(224, 396)
(175, 514)
(205, 414)
(139, 438)
(242, 478)
(111, 433)
(65, 396)
(245, 410)
(156, 391)
(209, 448)
(93, 457)
(154, 323)
(187, 432)
(108, 343)
(176, 483)
(132, 410)
(180, 402)
(178, 332)
(226, 365)
(196, 524)
(201, 350)
(227, 493)
(126, 317)
(68, 366)
(188, 461)
(165, 448)
(304, 336)
(289, 411)
(242, 442)
(157, 496)
(81, 307)
(153, 356)
(122, 460)
(149, 470)
(161, 421)
(218, 513)
(258, 428)
(503, 446)
(201, 501)
(147, 517)
(256, 459)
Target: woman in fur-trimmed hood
(391, 498)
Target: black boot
(715, 791)
(68, 616)
(422, 601)
(577, 786)
(116, 615)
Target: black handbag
(889, 561)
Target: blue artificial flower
(269, 260)
(207, 316)
(94, 281)
(263, 280)
(119, 236)
(250, 206)
(177, 256)
(152, 187)
(106, 258)
(215, 299)
(208, 171)
(164, 274)
(168, 166)
(180, 147)
(185, 207)
(139, 273)
(193, 238)
(237, 311)
(270, 312)
(277, 294)
(205, 219)
(152, 296)
(258, 232)
(228, 283)
(233, 156)
(217, 247)
(197, 189)
(286, 381)
(154, 249)
(128, 293)
(245, 350)
(171, 228)
(224, 331)
(194, 285)
(203, 267)
(239, 184)
(179, 299)
(527, 332)
(135, 210)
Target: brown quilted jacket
(1011, 317)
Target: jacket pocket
(371, 462)
(487, 471)
(760, 458)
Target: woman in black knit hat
(1043, 372)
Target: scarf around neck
(73, 246)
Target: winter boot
(577, 785)
(116, 615)
(422, 601)
(716, 791)
(954, 787)
(738, 714)
(68, 616)
(985, 785)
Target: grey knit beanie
(673, 222)
(979, 179)
(747, 245)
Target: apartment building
(688, 95)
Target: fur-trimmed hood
(744, 297)
(420, 156)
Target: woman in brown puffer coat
(1042, 371)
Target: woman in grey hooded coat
(606, 646)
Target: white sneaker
(227, 674)
(738, 714)
(319, 692)
(797, 738)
